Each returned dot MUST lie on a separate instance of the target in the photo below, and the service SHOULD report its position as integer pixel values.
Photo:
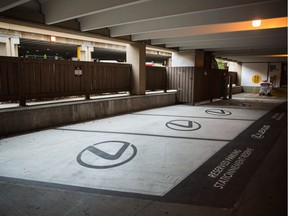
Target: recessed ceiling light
(256, 23)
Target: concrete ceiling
(222, 27)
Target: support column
(136, 55)
(14, 42)
(3, 46)
(9, 46)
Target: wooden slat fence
(181, 79)
(218, 80)
(197, 84)
(234, 77)
(22, 79)
(201, 85)
(155, 78)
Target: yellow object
(78, 52)
(256, 79)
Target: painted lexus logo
(218, 112)
(107, 154)
(183, 125)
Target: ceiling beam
(152, 10)
(247, 52)
(230, 41)
(211, 29)
(254, 59)
(58, 11)
(219, 36)
(8, 4)
(228, 50)
(252, 44)
(244, 13)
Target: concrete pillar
(3, 46)
(84, 52)
(136, 55)
(14, 42)
(9, 46)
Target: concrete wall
(249, 70)
(183, 59)
(136, 56)
(266, 71)
(275, 74)
(236, 67)
(27, 119)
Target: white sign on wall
(78, 71)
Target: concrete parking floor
(227, 157)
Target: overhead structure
(221, 27)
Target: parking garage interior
(120, 108)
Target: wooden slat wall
(181, 79)
(9, 79)
(217, 81)
(234, 77)
(196, 84)
(33, 79)
(201, 85)
(155, 78)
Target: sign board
(78, 71)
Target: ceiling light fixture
(256, 23)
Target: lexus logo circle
(107, 154)
(183, 125)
